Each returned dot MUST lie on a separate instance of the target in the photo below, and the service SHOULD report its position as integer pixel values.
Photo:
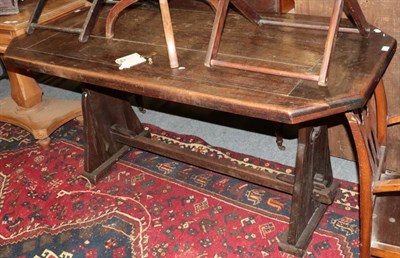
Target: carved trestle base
(111, 128)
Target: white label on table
(130, 61)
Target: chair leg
(365, 215)
(169, 34)
(90, 20)
(83, 32)
(365, 185)
(330, 42)
(247, 11)
(354, 12)
(167, 25)
(35, 16)
(216, 33)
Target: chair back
(379, 214)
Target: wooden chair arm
(390, 185)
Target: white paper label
(130, 61)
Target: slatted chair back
(379, 214)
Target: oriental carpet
(149, 206)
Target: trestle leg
(111, 126)
(101, 111)
(313, 171)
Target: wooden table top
(358, 63)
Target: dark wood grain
(358, 64)
(312, 163)
(353, 74)
(111, 127)
(100, 112)
(384, 15)
(379, 188)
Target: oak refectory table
(111, 127)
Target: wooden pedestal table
(111, 127)
(26, 107)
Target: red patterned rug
(149, 206)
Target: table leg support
(313, 168)
(110, 125)
(101, 111)
(38, 115)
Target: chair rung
(304, 26)
(63, 29)
(389, 185)
(393, 120)
(379, 249)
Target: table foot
(313, 179)
(44, 143)
(95, 175)
(100, 112)
(299, 248)
(42, 119)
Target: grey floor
(244, 135)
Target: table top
(14, 25)
(358, 63)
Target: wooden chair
(350, 7)
(167, 24)
(83, 32)
(121, 5)
(379, 188)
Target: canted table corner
(26, 107)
